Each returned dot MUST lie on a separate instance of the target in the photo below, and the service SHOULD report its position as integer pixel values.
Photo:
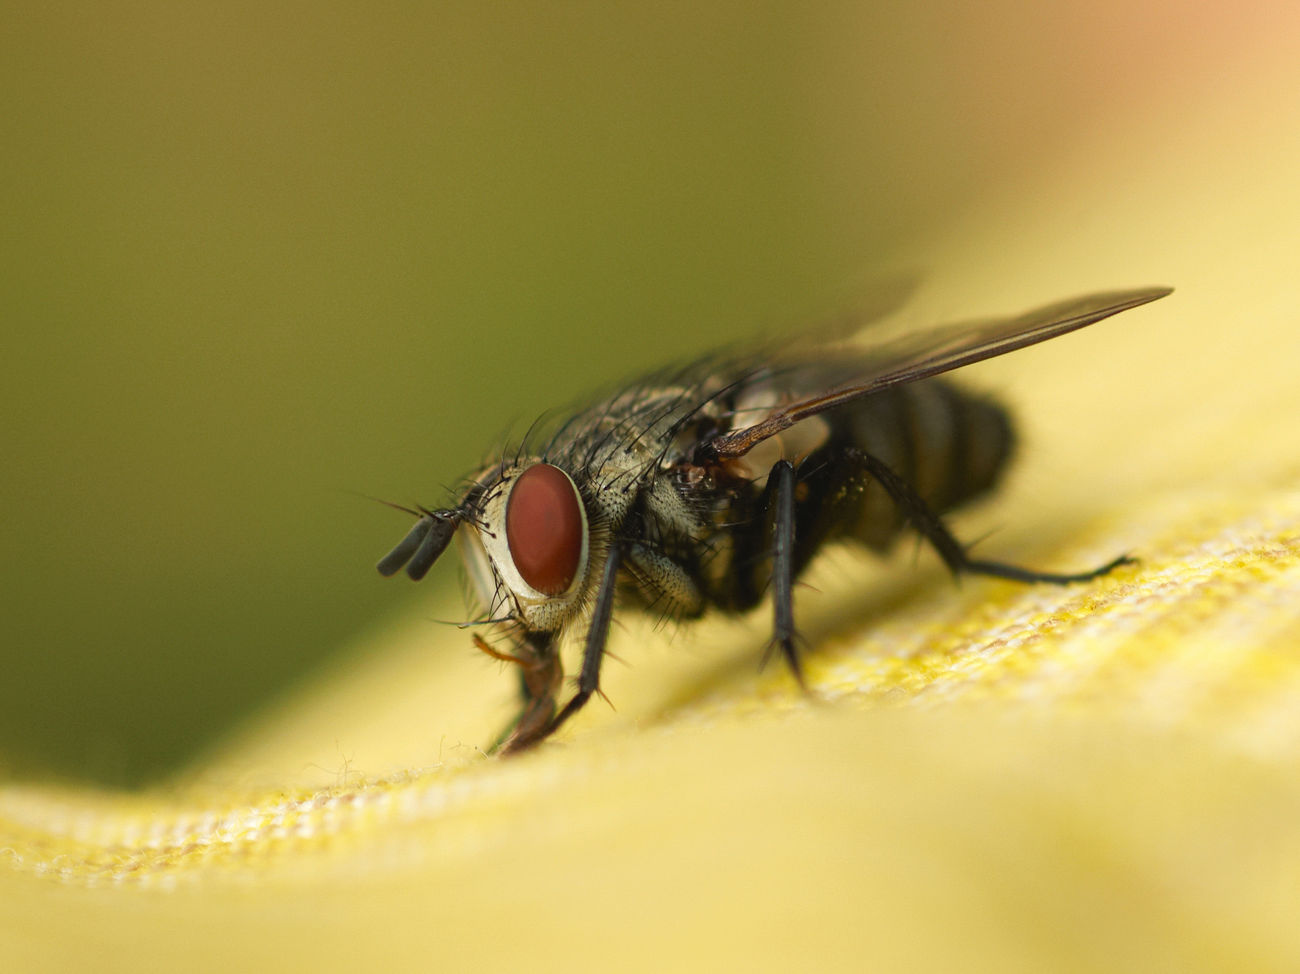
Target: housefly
(704, 486)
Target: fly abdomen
(950, 445)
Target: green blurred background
(261, 258)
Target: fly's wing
(933, 352)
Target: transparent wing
(929, 353)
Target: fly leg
(778, 499)
(592, 655)
(540, 678)
(932, 528)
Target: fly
(705, 486)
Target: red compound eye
(544, 528)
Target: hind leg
(932, 528)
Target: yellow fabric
(993, 776)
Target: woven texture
(987, 775)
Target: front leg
(593, 655)
(540, 677)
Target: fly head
(524, 540)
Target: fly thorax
(614, 483)
(671, 515)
